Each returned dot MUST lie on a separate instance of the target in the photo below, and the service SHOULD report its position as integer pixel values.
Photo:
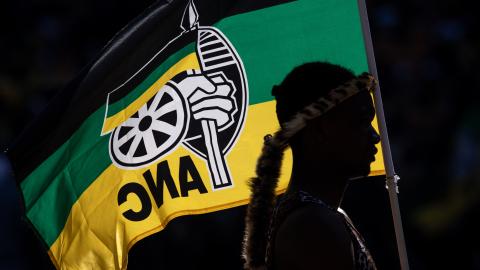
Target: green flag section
(170, 120)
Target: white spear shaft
(215, 159)
(391, 180)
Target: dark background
(427, 57)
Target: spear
(217, 165)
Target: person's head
(341, 138)
(325, 113)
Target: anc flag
(169, 120)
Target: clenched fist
(210, 98)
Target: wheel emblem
(153, 131)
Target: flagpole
(392, 177)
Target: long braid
(261, 205)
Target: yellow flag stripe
(97, 232)
(98, 235)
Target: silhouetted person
(325, 114)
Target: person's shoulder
(313, 236)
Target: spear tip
(190, 17)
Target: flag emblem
(203, 109)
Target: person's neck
(319, 179)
